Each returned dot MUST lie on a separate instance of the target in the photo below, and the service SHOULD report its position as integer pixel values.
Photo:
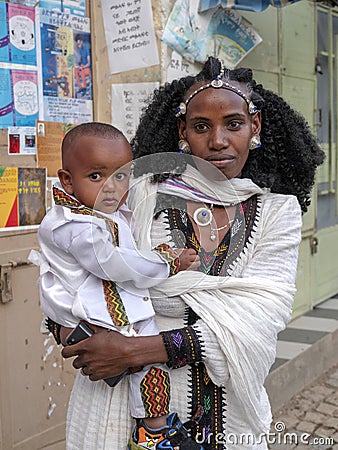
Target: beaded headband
(217, 83)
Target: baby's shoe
(174, 436)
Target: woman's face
(218, 128)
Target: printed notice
(130, 34)
(128, 101)
(178, 67)
(49, 137)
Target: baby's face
(100, 172)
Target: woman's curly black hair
(286, 162)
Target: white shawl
(245, 314)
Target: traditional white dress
(237, 316)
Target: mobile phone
(81, 332)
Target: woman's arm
(109, 353)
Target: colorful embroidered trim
(212, 398)
(219, 261)
(182, 346)
(168, 253)
(62, 199)
(155, 391)
(115, 306)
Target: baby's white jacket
(77, 253)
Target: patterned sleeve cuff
(168, 253)
(54, 328)
(183, 347)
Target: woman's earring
(184, 147)
(255, 142)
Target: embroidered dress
(203, 390)
(235, 313)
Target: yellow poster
(9, 216)
(22, 196)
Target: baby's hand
(189, 259)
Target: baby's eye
(120, 176)
(95, 176)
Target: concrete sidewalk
(306, 350)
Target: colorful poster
(247, 5)
(18, 98)
(31, 3)
(130, 34)
(65, 82)
(21, 141)
(77, 7)
(17, 34)
(22, 196)
(218, 32)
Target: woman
(237, 201)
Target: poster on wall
(18, 98)
(218, 32)
(21, 141)
(64, 54)
(127, 102)
(17, 34)
(77, 7)
(31, 3)
(247, 5)
(22, 196)
(130, 35)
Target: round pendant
(203, 217)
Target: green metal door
(284, 62)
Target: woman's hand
(109, 353)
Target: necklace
(212, 230)
(204, 216)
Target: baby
(91, 270)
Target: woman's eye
(234, 124)
(200, 127)
(95, 176)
